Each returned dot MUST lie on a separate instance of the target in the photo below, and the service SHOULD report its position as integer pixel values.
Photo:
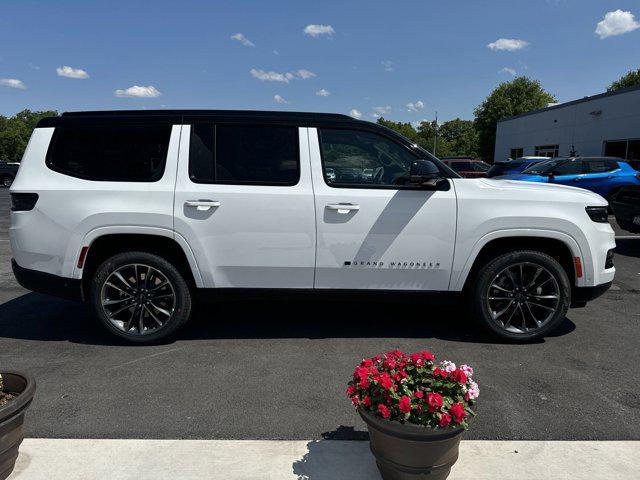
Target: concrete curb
(57, 459)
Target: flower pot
(11, 418)
(405, 451)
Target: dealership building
(606, 124)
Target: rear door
(601, 176)
(244, 203)
(374, 233)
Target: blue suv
(602, 175)
(517, 165)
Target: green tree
(460, 137)
(518, 96)
(629, 79)
(15, 132)
(404, 129)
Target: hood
(507, 182)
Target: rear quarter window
(117, 153)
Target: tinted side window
(601, 166)
(572, 167)
(118, 153)
(244, 154)
(461, 166)
(358, 158)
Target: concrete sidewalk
(46, 459)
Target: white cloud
(270, 76)
(387, 65)
(243, 40)
(281, 77)
(70, 72)
(616, 23)
(379, 111)
(508, 44)
(415, 107)
(304, 74)
(323, 93)
(138, 92)
(13, 83)
(355, 113)
(280, 99)
(508, 70)
(319, 30)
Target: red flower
(367, 362)
(419, 394)
(445, 419)
(438, 371)
(458, 412)
(459, 376)
(416, 358)
(389, 363)
(434, 400)
(351, 390)
(427, 355)
(384, 411)
(385, 381)
(361, 372)
(366, 401)
(354, 399)
(364, 383)
(405, 404)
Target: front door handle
(202, 205)
(343, 207)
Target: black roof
(186, 116)
(574, 102)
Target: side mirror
(425, 174)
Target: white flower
(473, 390)
(468, 371)
(448, 366)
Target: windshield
(545, 167)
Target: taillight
(21, 202)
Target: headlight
(598, 214)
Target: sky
(403, 59)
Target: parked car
(136, 213)
(517, 165)
(467, 167)
(602, 175)
(626, 207)
(8, 172)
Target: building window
(550, 151)
(627, 149)
(516, 153)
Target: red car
(467, 166)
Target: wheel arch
(560, 246)
(105, 242)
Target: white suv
(137, 212)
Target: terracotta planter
(11, 418)
(405, 451)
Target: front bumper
(42, 282)
(581, 295)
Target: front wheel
(6, 181)
(522, 295)
(140, 297)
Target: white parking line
(50, 459)
(628, 237)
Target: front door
(244, 204)
(374, 233)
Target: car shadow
(336, 457)
(35, 316)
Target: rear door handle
(343, 207)
(202, 205)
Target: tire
(6, 180)
(534, 310)
(142, 314)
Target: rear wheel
(140, 297)
(522, 295)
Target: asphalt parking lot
(278, 369)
